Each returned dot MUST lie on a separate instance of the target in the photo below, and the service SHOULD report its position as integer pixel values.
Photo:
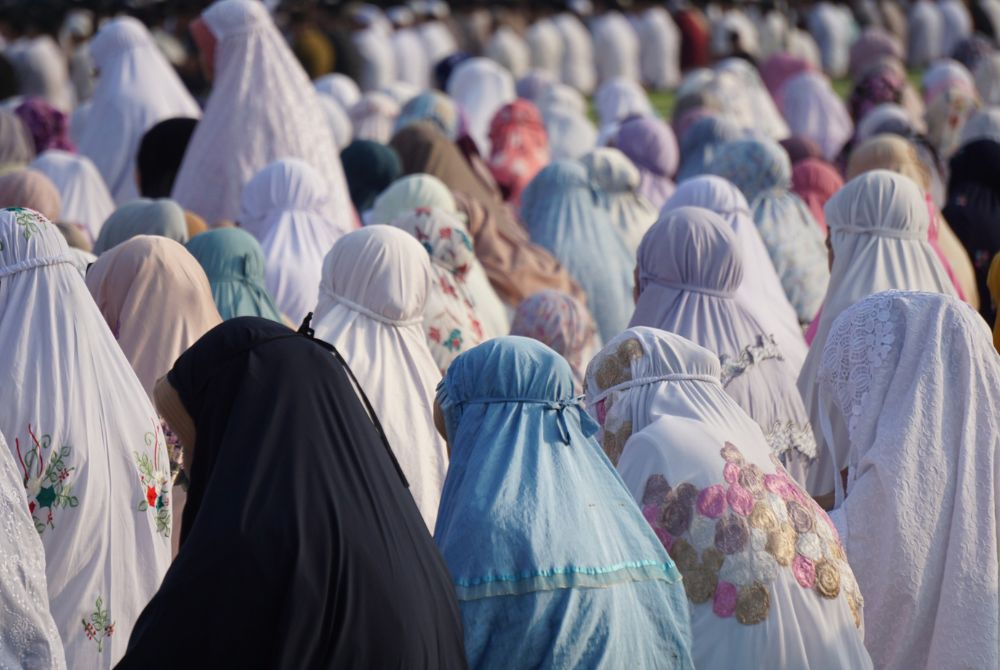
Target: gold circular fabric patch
(781, 544)
(700, 584)
(827, 579)
(762, 517)
(752, 604)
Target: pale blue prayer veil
(234, 262)
(562, 212)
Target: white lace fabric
(910, 392)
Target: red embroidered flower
(435, 335)
(446, 234)
(31, 506)
(151, 495)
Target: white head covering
(911, 383)
(832, 31)
(659, 49)
(925, 34)
(751, 95)
(284, 207)
(340, 87)
(546, 45)
(617, 99)
(878, 231)
(577, 68)
(137, 88)
(760, 291)
(616, 48)
(375, 284)
(815, 111)
(571, 134)
(480, 88)
(437, 40)
(378, 59)
(983, 125)
(411, 59)
(88, 443)
(510, 50)
(337, 120)
(763, 568)
(618, 180)
(690, 266)
(957, 23)
(262, 109)
(373, 117)
(29, 638)
(84, 198)
(43, 71)
(417, 191)
(987, 79)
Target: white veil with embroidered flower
(910, 399)
(87, 442)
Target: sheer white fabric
(659, 49)
(412, 66)
(340, 87)
(814, 110)
(337, 120)
(690, 266)
(746, 98)
(658, 398)
(137, 88)
(760, 291)
(577, 67)
(480, 88)
(375, 284)
(84, 197)
(546, 47)
(285, 207)
(616, 48)
(378, 58)
(617, 99)
(437, 40)
(373, 117)
(510, 50)
(910, 389)
(42, 71)
(244, 129)
(88, 442)
(28, 638)
(878, 231)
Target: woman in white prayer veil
(29, 638)
(618, 99)
(42, 71)
(957, 23)
(136, 89)
(616, 48)
(925, 34)
(480, 87)
(374, 289)
(690, 266)
(284, 206)
(751, 94)
(243, 129)
(340, 87)
(378, 58)
(814, 110)
(546, 46)
(92, 457)
(765, 574)
(909, 396)
(659, 49)
(337, 120)
(85, 200)
(411, 59)
(760, 289)
(878, 238)
(577, 68)
(510, 50)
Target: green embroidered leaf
(142, 506)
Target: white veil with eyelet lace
(909, 391)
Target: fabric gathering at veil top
(234, 264)
(516, 267)
(878, 235)
(451, 321)
(617, 179)
(760, 290)
(562, 323)
(243, 130)
(373, 117)
(286, 457)
(369, 168)
(561, 211)
(762, 171)
(651, 145)
(285, 207)
(897, 368)
(160, 154)
(27, 187)
(375, 284)
(765, 574)
(480, 88)
(552, 562)
(690, 266)
(163, 218)
(156, 300)
(92, 458)
(519, 147)
(84, 198)
(137, 88)
(29, 637)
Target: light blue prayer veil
(234, 262)
(701, 142)
(552, 561)
(562, 212)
